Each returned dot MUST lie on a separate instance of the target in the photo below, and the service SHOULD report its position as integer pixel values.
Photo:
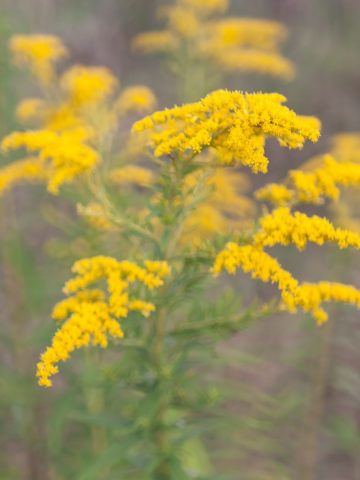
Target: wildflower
(310, 296)
(206, 6)
(235, 124)
(30, 109)
(137, 99)
(62, 156)
(39, 53)
(281, 227)
(275, 193)
(318, 180)
(231, 44)
(90, 315)
(88, 85)
(150, 42)
(307, 296)
(28, 170)
(132, 174)
(95, 215)
(225, 207)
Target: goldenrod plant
(201, 45)
(174, 198)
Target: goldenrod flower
(235, 124)
(30, 109)
(88, 85)
(61, 156)
(28, 170)
(307, 296)
(225, 208)
(132, 174)
(231, 44)
(275, 193)
(281, 227)
(150, 42)
(206, 6)
(137, 99)
(320, 178)
(90, 316)
(39, 53)
(95, 214)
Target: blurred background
(298, 386)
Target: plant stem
(313, 421)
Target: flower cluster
(314, 183)
(231, 43)
(90, 315)
(77, 115)
(39, 53)
(235, 124)
(225, 208)
(307, 296)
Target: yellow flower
(307, 296)
(225, 208)
(95, 215)
(247, 32)
(150, 42)
(88, 85)
(181, 19)
(62, 156)
(235, 124)
(91, 316)
(132, 174)
(206, 6)
(39, 53)
(254, 260)
(136, 99)
(254, 61)
(231, 44)
(30, 109)
(275, 193)
(29, 170)
(310, 296)
(281, 227)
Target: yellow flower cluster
(77, 115)
(132, 174)
(281, 227)
(235, 124)
(87, 85)
(207, 6)
(307, 296)
(233, 44)
(137, 98)
(39, 53)
(95, 214)
(224, 209)
(313, 185)
(29, 170)
(89, 315)
(61, 157)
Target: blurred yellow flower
(39, 53)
